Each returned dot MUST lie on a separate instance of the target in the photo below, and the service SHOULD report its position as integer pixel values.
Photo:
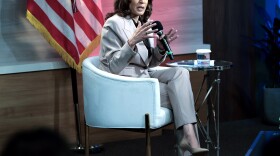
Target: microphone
(163, 41)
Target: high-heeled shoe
(183, 145)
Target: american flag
(72, 27)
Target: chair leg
(148, 136)
(86, 140)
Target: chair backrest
(113, 101)
(95, 61)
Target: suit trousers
(176, 94)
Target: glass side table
(213, 106)
(191, 65)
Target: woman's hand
(142, 32)
(169, 37)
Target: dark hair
(121, 7)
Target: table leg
(218, 113)
(214, 107)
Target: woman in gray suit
(129, 47)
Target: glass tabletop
(191, 65)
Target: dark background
(228, 25)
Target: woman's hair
(121, 7)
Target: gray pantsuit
(175, 90)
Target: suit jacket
(117, 57)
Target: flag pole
(79, 147)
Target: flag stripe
(95, 10)
(89, 32)
(56, 34)
(96, 26)
(80, 46)
(82, 37)
(69, 4)
(62, 13)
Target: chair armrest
(116, 101)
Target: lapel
(129, 29)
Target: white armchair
(113, 101)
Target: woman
(128, 48)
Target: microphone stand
(79, 147)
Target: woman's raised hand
(142, 32)
(171, 35)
